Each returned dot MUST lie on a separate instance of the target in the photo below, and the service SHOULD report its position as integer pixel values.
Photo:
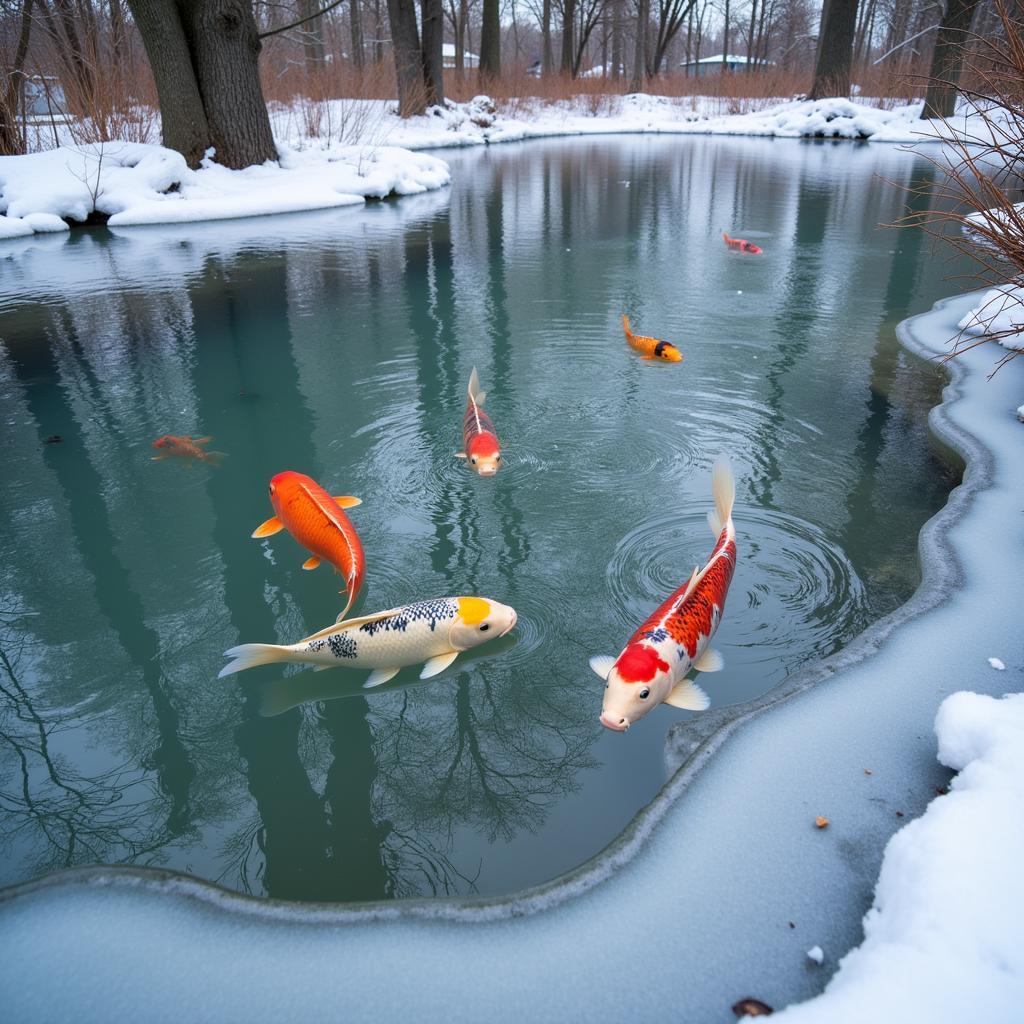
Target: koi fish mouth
(511, 625)
(613, 723)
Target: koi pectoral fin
(460, 455)
(710, 661)
(311, 563)
(379, 676)
(602, 664)
(201, 440)
(269, 528)
(435, 666)
(347, 501)
(688, 696)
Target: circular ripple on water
(795, 594)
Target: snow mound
(1001, 314)
(133, 183)
(944, 939)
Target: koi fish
(188, 448)
(434, 632)
(652, 668)
(480, 443)
(317, 522)
(651, 348)
(742, 244)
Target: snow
(997, 664)
(1000, 312)
(702, 886)
(135, 183)
(944, 939)
(817, 954)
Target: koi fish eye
(486, 626)
(473, 460)
(645, 693)
(497, 458)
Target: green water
(339, 344)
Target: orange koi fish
(651, 348)
(652, 668)
(187, 448)
(317, 522)
(480, 443)
(742, 244)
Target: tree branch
(301, 21)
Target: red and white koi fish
(652, 668)
(317, 522)
(187, 448)
(742, 244)
(480, 443)
(651, 348)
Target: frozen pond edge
(740, 949)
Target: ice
(143, 184)
(997, 664)
(690, 909)
(817, 954)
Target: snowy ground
(721, 888)
(342, 151)
(999, 314)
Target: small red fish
(742, 244)
(316, 520)
(188, 448)
(481, 447)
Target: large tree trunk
(547, 58)
(490, 41)
(11, 141)
(948, 59)
(312, 35)
(355, 13)
(568, 41)
(835, 49)
(618, 50)
(405, 43)
(636, 83)
(182, 115)
(432, 15)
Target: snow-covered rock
(1000, 314)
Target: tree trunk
(568, 42)
(636, 83)
(725, 40)
(490, 41)
(405, 43)
(432, 16)
(182, 115)
(74, 57)
(312, 36)
(617, 47)
(948, 59)
(547, 58)
(355, 16)
(835, 49)
(11, 141)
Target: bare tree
(947, 60)
(432, 18)
(671, 16)
(11, 141)
(490, 40)
(835, 49)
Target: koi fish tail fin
(250, 655)
(626, 327)
(723, 489)
(726, 238)
(475, 393)
(348, 606)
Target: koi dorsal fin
(349, 623)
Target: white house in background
(713, 65)
(469, 60)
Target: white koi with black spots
(434, 632)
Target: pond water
(339, 344)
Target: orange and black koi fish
(652, 668)
(317, 522)
(742, 244)
(481, 447)
(651, 348)
(186, 448)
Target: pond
(340, 344)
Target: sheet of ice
(716, 891)
(143, 184)
(944, 939)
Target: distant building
(43, 97)
(469, 60)
(713, 65)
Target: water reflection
(340, 344)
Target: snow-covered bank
(135, 184)
(719, 889)
(1000, 315)
(944, 939)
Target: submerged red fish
(316, 520)
(480, 443)
(652, 668)
(742, 244)
(188, 448)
